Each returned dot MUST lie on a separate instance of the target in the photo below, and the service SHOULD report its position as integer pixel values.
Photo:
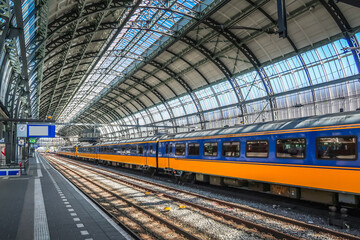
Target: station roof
(196, 63)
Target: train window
(291, 148)
(151, 149)
(170, 149)
(231, 149)
(180, 149)
(141, 149)
(117, 149)
(211, 149)
(194, 149)
(127, 151)
(257, 149)
(336, 148)
(133, 149)
(111, 149)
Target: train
(311, 158)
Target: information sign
(40, 130)
(32, 140)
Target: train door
(97, 154)
(169, 147)
(157, 153)
(146, 153)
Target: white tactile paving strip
(41, 228)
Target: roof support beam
(24, 60)
(188, 89)
(343, 25)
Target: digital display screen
(38, 131)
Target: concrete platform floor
(44, 205)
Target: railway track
(141, 223)
(234, 214)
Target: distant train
(314, 158)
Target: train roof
(305, 122)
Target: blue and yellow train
(314, 158)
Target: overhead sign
(40, 130)
(21, 142)
(32, 140)
(21, 130)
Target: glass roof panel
(225, 93)
(251, 85)
(177, 108)
(207, 98)
(149, 23)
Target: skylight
(151, 21)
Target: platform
(44, 205)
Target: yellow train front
(313, 158)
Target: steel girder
(221, 66)
(80, 8)
(246, 50)
(186, 86)
(158, 95)
(274, 22)
(5, 15)
(343, 25)
(119, 25)
(181, 32)
(23, 49)
(171, 113)
(37, 55)
(271, 95)
(202, 76)
(100, 7)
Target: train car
(137, 152)
(314, 158)
(67, 151)
(87, 152)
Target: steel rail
(248, 224)
(229, 204)
(152, 215)
(112, 216)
